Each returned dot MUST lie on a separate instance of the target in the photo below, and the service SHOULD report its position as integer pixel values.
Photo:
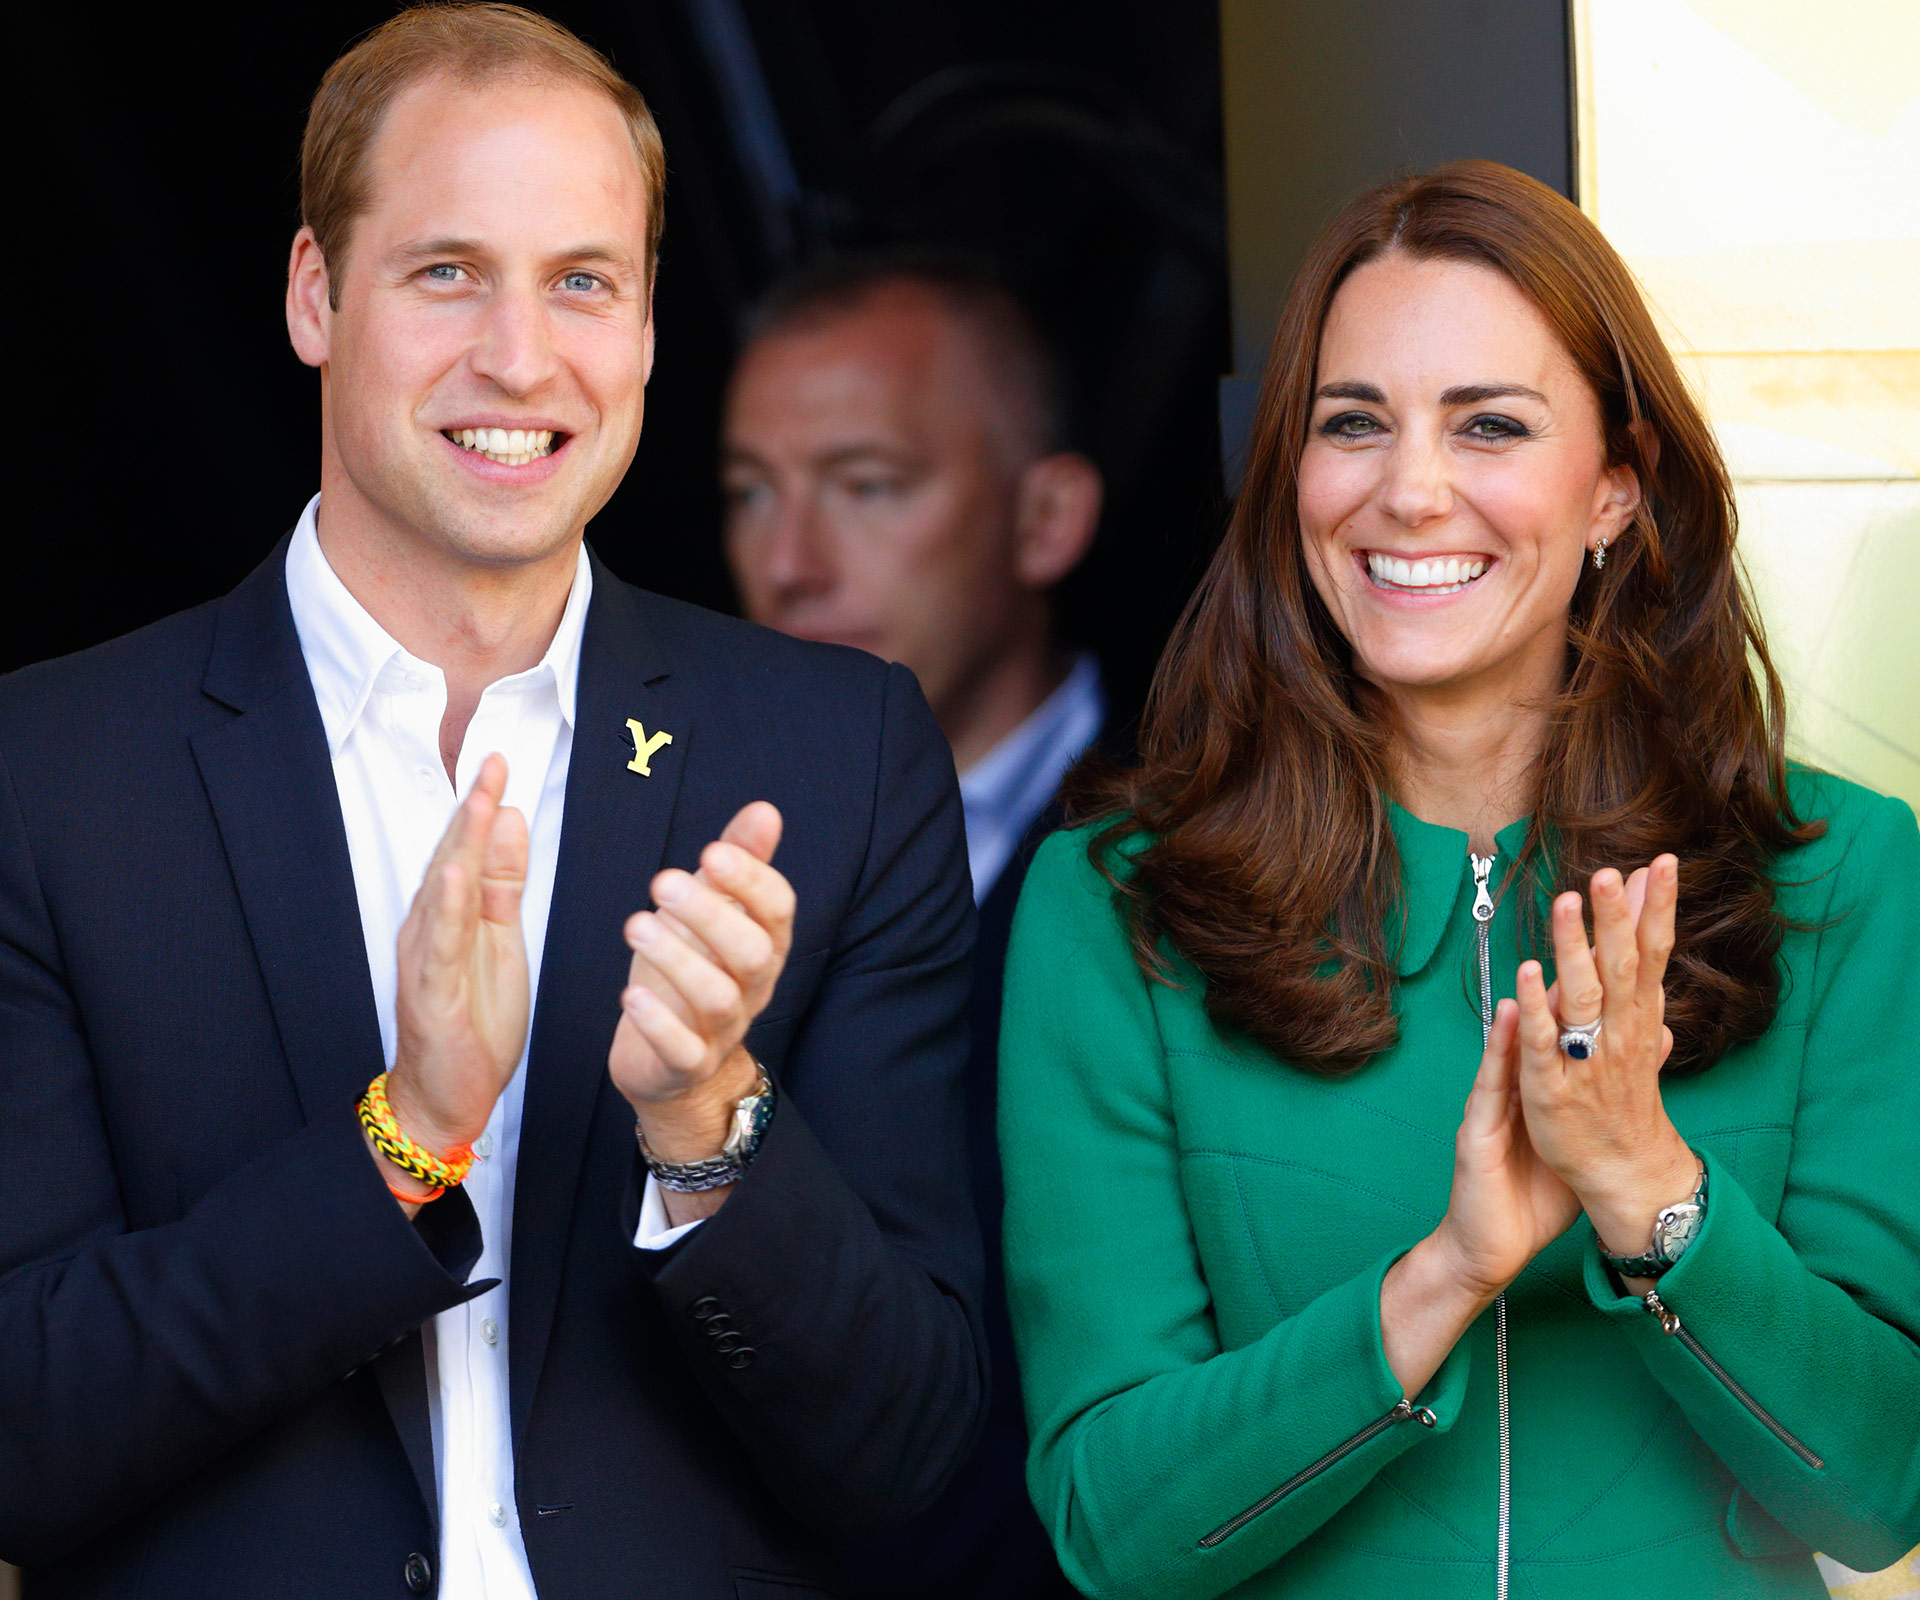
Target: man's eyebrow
(430, 249)
(1472, 394)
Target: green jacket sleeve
(1793, 1354)
(1157, 1454)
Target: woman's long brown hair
(1262, 849)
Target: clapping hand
(704, 966)
(461, 1006)
(1600, 1123)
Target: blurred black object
(1076, 144)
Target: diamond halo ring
(1579, 1043)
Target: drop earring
(1599, 555)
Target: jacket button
(730, 1344)
(743, 1357)
(419, 1573)
(706, 1306)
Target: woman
(1474, 647)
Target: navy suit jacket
(211, 1376)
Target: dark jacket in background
(211, 1377)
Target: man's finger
(711, 998)
(756, 829)
(719, 927)
(763, 892)
(503, 868)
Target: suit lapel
(613, 839)
(269, 777)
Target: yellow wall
(1758, 164)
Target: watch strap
(751, 1114)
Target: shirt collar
(346, 650)
(1004, 791)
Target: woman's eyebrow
(1471, 394)
(1351, 391)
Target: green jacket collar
(1434, 877)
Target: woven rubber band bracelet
(416, 1160)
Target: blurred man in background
(897, 478)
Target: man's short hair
(1018, 354)
(471, 44)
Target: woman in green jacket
(1471, 708)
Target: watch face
(1675, 1229)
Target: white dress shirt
(381, 708)
(1004, 792)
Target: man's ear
(1056, 514)
(309, 312)
(646, 359)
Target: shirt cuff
(655, 1231)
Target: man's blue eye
(581, 282)
(443, 273)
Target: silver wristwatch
(1674, 1229)
(750, 1119)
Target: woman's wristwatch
(1674, 1229)
(750, 1118)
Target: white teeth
(513, 447)
(1440, 575)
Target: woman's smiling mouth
(1426, 575)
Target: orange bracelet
(415, 1199)
(415, 1160)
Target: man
(705, 1301)
(897, 478)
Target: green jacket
(1196, 1234)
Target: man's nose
(1419, 483)
(515, 346)
(798, 558)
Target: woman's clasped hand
(1545, 1136)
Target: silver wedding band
(1579, 1043)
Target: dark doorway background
(1076, 142)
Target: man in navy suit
(705, 1305)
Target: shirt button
(483, 1146)
(497, 1514)
(490, 1331)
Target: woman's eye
(1350, 425)
(580, 282)
(1496, 428)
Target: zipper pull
(1420, 1414)
(1482, 901)
(1669, 1321)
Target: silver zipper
(1400, 1413)
(1483, 919)
(1671, 1327)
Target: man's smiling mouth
(511, 447)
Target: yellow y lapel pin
(644, 745)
